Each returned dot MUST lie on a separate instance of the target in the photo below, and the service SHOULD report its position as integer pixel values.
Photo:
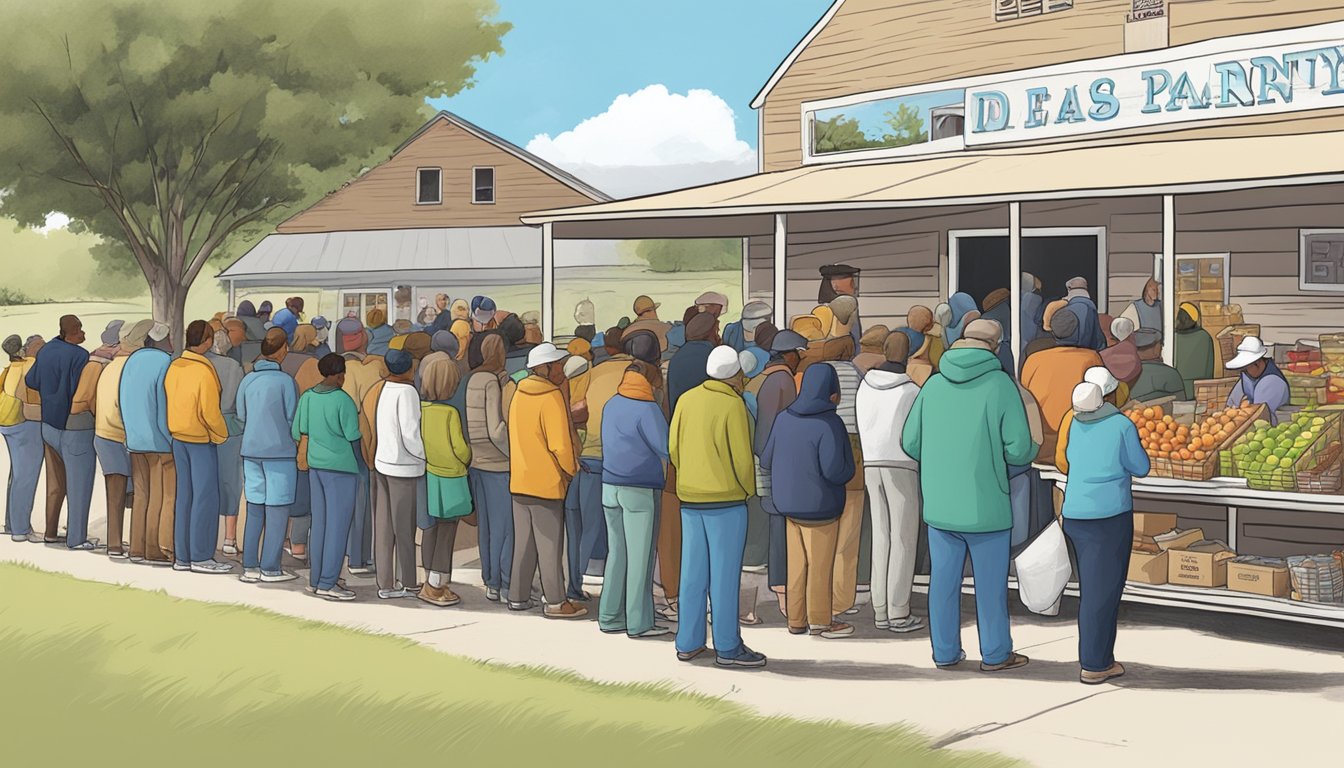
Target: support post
(233, 298)
(1168, 278)
(1015, 281)
(547, 282)
(746, 271)
(781, 270)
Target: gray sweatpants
(896, 509)
(394, 529)
(538, 540)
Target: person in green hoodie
(1194, 349)
(965, 429)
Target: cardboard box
(1148, 569)
(1185, 539)
(1258, 579)
(1153, 523)
(1198, 569)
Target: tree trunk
(169, 303)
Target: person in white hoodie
(892, 480)
(399, 461)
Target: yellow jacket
(542, 456)
(193, 391)
(447, 453)
(710, 445)
(107, 404)
(603, 381)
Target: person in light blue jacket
(144, 413)
(267, 400)
(1103, 456)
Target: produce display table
(1228, 494)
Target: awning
(963, 178)
(456, 256)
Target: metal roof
(446, 256)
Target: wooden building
(440, 215)
(949, 146)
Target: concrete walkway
(1198, 685)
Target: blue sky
(566, 60)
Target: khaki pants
(152, 507)
(812, 563)
(669, 538)
(116, 511)
(846, 576)
(55, 491)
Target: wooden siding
(384, 197)
(877, 44)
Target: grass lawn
(104, 675)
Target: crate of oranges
(1186, 447)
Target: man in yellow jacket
(542, 461)
(710, 446)
(197, 427)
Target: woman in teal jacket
(1104, 455)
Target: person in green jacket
(326, 425)
(965, 429)
(1194, 349)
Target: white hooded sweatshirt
(883, 403)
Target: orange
(1144, 433)
(1200, 455)
(1185, 454)
(1149, 413)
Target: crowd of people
(685, 457)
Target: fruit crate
(1231, 336)
(1208, 467)
(1306, 390)
(1317, 578)
(1304, 453)
(1332, 348)
(1212, 393)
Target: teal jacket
(967, 425)
(329, 418)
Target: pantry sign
(1302, 73)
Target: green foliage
(840, 134)
(213, 680)
(907, 127)
(60, 265)
(690, 255)
(181, 130)
(10, 297)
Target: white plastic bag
(1043, 570)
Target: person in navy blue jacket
(810, 460)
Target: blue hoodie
(808, 455)
(267, 400)
(379, 338)
(144, 401)
(1104, 453)
(634, 442)
(55, 376)
(961, 305)
(1089, 333)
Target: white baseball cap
(544, 353)
(1249, 350)
(1103, 378)
(723, 363)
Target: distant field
(612, 290)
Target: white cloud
(652, 140)
(55, 220)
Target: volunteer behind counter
(1261, 381)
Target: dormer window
(1007, 10)
(429, 186)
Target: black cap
(838, 270)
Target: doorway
(978, 261)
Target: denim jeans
(333, 505)
(712, 541)
(24, 442)
(264, 537)
(1103, 549)
(301, 513)
(989, 564)
(627, 583)
(494, 521)
(75, 447)
(230, 476)
(585, 528)
(359, 544)
(196, 513)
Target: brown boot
(565, 610)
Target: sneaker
(524, 606)
(87, 546)
(272, 578)
(798, 630)
(907, 624)
(181, 566)
(492, 594)
(1013, 662)
(213, 566)
(837, 629)
(229, 548)
(1097, 678)
(361, 570)
(250, 575)
(440, 596)
(745, 657)
(137, 559)
(691, 655)
(961, 656)
(657, 630)
(565, 610)
(393, 594)
(118, 554)
(335, 593)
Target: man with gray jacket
(488, 476)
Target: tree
(690, 255)
(907, 127)
(839, 134)
(176, 130)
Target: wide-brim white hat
(544, 353)
(1249, 350)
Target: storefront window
(1322, 260)
(917, 120)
